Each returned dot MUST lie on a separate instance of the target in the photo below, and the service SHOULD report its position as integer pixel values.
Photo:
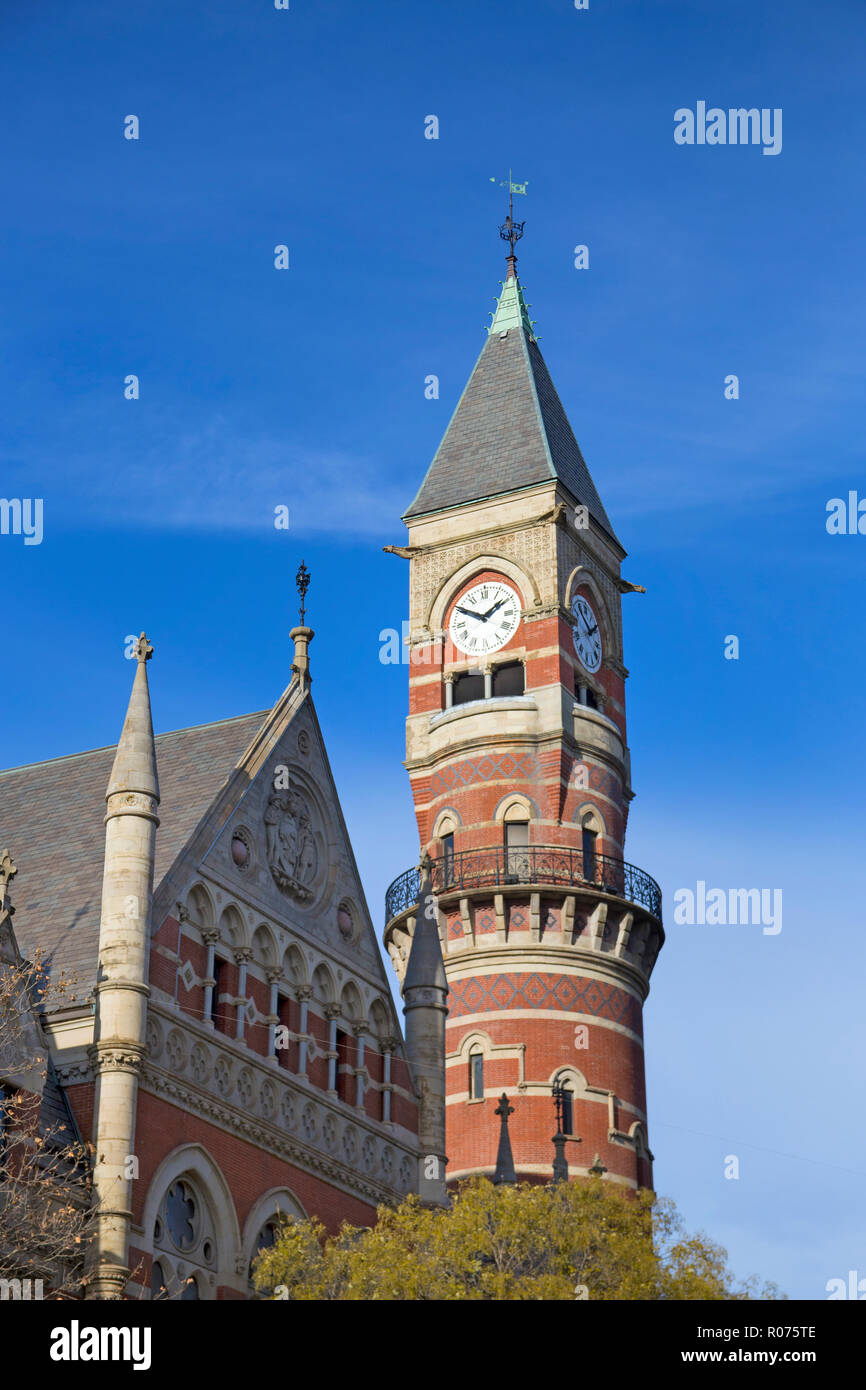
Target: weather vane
(302, 579)
(510, 230)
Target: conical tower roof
(509, 430)
(134, 768)
(425, 967)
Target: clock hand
(492, 610)
(482, 617)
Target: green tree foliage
(530, 1241)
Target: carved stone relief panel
(293, 856)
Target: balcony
(554, 866)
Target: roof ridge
(109, 747)
(525, 340)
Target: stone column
(243, 955)
(304, 996)
(360, 1074)
(331, 1014)
(210, 936)
(119, 1046)
(387, 1049)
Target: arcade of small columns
(339, 1035)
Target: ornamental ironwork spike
(302, 580)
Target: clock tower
(517, 753)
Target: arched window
(184, 1244)
(589, 849)
(344, 1062)
(476, 1074)
(566, 1104)
(216, 1009)
(517, 849)
(284, 1014)
(264, 1241)
(448, 857)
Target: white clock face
(586, 634)
(484, 618)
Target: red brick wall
(611, 1060)
(249, 1171)
(473, 782)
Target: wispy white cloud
(215, 479)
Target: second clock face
(485, 618)
(586, 634)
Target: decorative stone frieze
(278, 1113)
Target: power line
(744, 1144)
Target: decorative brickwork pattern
(507, 766)
(563, 993)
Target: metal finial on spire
(510, 230)
(302, 579)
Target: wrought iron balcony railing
(555, 865)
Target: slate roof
(56, 1122)
(51, 817)
(509, 431)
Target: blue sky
(306, 388)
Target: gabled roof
(509, 430)
(51, 815)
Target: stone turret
(425, 993)
(118, 1047)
